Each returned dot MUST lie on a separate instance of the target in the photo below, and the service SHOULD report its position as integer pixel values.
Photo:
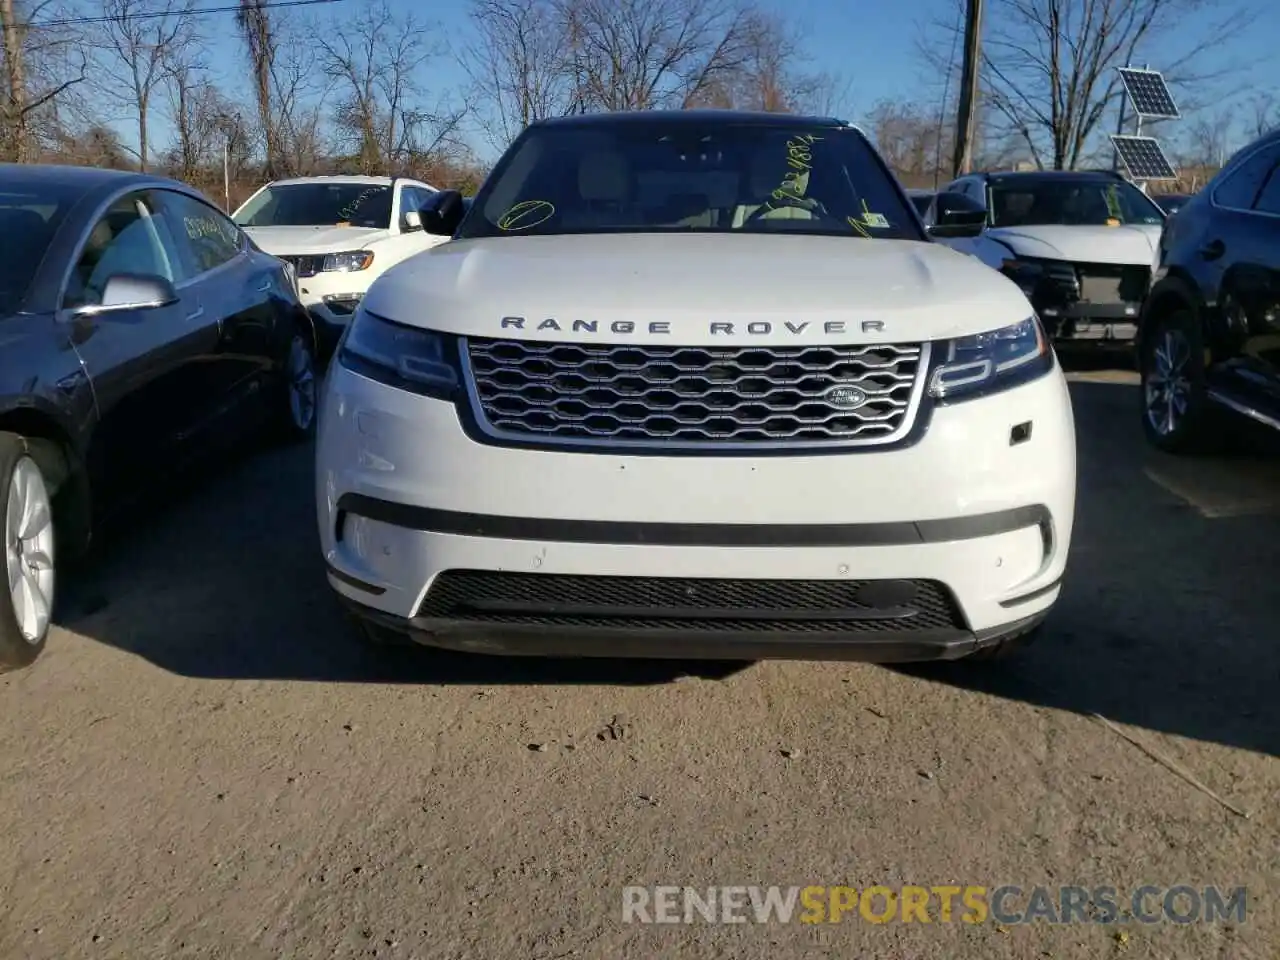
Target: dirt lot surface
(209, 766)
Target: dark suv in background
(1209, 332)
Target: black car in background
(141, 331)
(1209, 334)
(920, 199)
(1171, 203)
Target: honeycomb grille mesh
(695, 396)
(797, 606)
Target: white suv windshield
(319, 204)
(687, 174)
(1067, 201)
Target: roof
(338, 178)
(34, 175)
(688, 116)
(1014, 176)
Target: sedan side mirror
(131, 291)
(441, 216)
(412, 221)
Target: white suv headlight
(347, 262)
(988, 362)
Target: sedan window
(124, 240)
(208, 237)
(34, 217)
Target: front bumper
(406, 496)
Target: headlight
(347, 262)
(410, 358)
(987, 362)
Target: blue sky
(869, 44)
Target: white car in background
(339, 233)
(1080, 244)
(695, 384)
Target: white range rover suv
(339, 234)
(695, 384)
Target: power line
(157, 14)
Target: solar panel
(1148, 93)
(1143, 158)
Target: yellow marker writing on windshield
(526, 215)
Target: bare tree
(42, 65)
(1048, 66)
(260, 42)
(140, 38)
(518, 66)
(1208, 140)
(299, 89)
(647, 54)
(375, 61)
(1264, 114)
(766, 75)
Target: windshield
(318, 204)
(686, 175)
(28, 221)
(1070, 202)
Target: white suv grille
(578, 394)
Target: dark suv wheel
(1175, 401)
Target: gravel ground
(204, 763)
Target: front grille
(634, 394)
(304, 266)
(687, 603)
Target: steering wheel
(801, 203)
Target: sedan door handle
(265, 286)
(1213, 250)
(195, 315)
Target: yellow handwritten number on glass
(526, 215)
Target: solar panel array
(1144, 158)
(1149, 94)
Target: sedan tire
(299, 390)
(26, 607)
(1175, 399)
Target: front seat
(604, 183)
(767, 175)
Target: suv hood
(312, 240)
(773, 289)
(1129, 244)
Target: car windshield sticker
(526, 215)
(877, 220)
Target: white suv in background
(695, 384)
(339, 233)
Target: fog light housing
(343, 304)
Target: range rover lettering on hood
(757, 327)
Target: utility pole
(963, 157)
(15, 111)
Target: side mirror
(441, 216)
(131, 291)
(957, 215)
(412, 221)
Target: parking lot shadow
(225, 581)
(1169, 619)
